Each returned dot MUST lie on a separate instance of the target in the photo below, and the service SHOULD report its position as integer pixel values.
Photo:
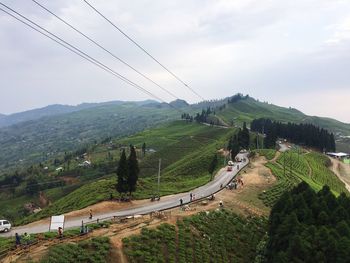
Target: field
(186, 150)
(291, 168)
(95, 250)
(219, 235)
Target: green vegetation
(268, 153)
(219, 235)
(92, 251)
(306, 226)
(308, 135)
(310, 168)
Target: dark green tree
(32, 186)
(144, 149)
(134, 170)
(234, 144)
(213, 165)
(122, 174)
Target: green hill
(245, 109)
(38, 140)
(186, 150)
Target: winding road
(220, 181)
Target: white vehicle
(5, 226)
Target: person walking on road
(191, 195)
(181, 202)
(90, 216)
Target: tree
(32, 186)
(134, 170)
(243, 137)
(234, 147)
(213, 165)
(122, 174)
(144, 149)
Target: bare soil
(342, 170)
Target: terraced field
(291, 168)
(219, 235)
(94, 251)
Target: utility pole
(290, 164)
(160, 163)
(257, 140)
(284, 164)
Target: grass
(95, 250)
(310, 167)
(221, 236)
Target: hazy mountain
(39, 139)
(56, 109)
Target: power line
(80, 53)
(105, 49)
(144, 50)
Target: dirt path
(278, 153)
(342, 170)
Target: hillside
(56, 129)
(246, 109)
(186, 149)
(38, 140)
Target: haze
(291, 53)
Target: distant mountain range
(38, 134)
(56, 109)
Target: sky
(291, 53)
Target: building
(85, 164)
(340, 155)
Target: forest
(304, 134)
(305, 226)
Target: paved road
(221, 180)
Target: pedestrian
(60, 232)
(221, 204)
(191, 197)
(18, 240)
(90, 217)
(181, 201)
(238, 167)
(26, 238)
(82, 227)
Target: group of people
(19, 239)
(236, 183)
(192, 198)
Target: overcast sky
(291, 53)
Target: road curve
(221, 180)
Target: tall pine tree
(134, 170)
(122, 174)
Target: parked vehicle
(5, 226)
